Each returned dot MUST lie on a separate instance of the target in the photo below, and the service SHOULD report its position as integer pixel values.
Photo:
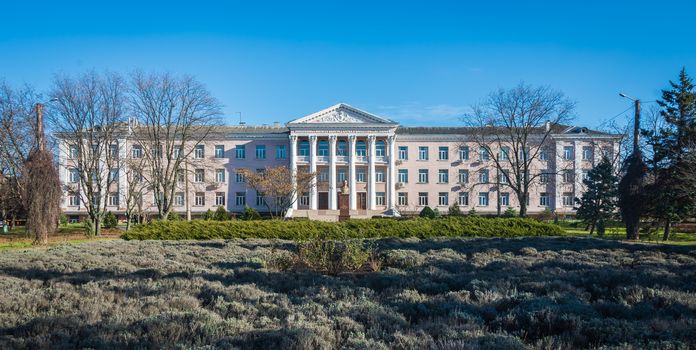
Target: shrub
(250, 214)
(308, 229)
(63, 219)
(110, 220)
(454, 210)
(208, 215)
(510, 213)
(221, 214)
(473, 212)
(173, 216)
(333, 257)
(427, 212)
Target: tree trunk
(632, 233)
(600, 228)
(97, 228)
(592, 226)
(668, 227)
(129, 217)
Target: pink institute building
(390, 169)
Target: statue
(344, 188)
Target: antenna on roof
(240, 118)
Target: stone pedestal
(343, 206)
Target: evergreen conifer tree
(598, 203)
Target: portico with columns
(343, 143)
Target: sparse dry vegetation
(545, 293)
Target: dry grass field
(542, 293)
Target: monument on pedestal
(344, 202)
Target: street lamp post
(636, 122)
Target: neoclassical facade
(389, 169)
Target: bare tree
(276, 185)
(88, 117)
(513, 126)
(134, 167)
(17, 137)
(175, 115)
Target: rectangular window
(379, 175)
(260, 151)
(198, 152)
(199, 175)
(544, 178)
(113, 199)
(483, 154)
(74, 175)
(403, 175)
(219, 151)
(177, 152)
(568, 199)
(239, 152)
(360, 175)
(483, 199)
(543, 154)
(179, 199)
(240, 199)
(379, 198)
(422, 198)
(73, 151)
(544, 199)
(443, 199)
(239, 177)
(342, 176)
(220, 199)
(423, 153)
(483, 176)
(74, 200)
(504, 177)
(323, 176)
(608, 153)
(443, 153)
(304, 199)
(568, 153)
(423, 176)
(220, 175)
(260, 200)
(113, 151)
(402, 199)
(463, 152)
(403, 153)
(505, 199)
(443, 176)
(463, 176)
(504, 153)
(281, 152)
(568, 176)
(137, 152)
(463, 198)
(587, 153)
(199, 199)
(113, 175)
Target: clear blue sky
(420, 63)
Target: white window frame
(423, 176)
(442, 176)
(199, 199)
(443, 199)
(483, 199)
(219, 151)
(422, 199)
(199, 152)
(423, 152)
(403, 175)
(443, 153)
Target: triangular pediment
(341, 114)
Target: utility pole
(636, 128)
(39, 127)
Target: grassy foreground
(537, 292)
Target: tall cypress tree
(598, 203)
(673, 187)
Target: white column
(371, 195)
(352, 174)
(293, 169)
(333, 201)
(558, 183)
(577, 168)
(314, 192)
(391, 189)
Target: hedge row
(374, 228)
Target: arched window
(341, 148)
(323, 148)
(380, 148)
(360, 149)
(303, 149)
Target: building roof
(463, 130)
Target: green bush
(454, 210)
(63, 219)
(221, 214)
(110, 220)
(250, 214)
(427, 212)
(208, 215)
(510, 213)
(173, 216)
(473, 226)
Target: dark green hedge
(374, 228)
